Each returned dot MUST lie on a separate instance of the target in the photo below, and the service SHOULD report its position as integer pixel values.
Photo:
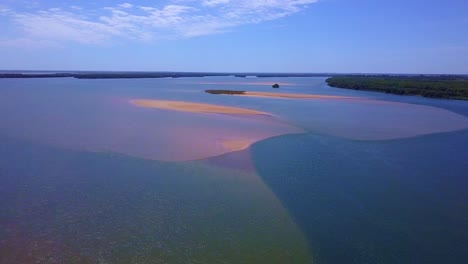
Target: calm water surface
(376, 179)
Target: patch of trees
(231, 92)
(450, 87)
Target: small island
(449, 87)
(275, 85)
(230, 92)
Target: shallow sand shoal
(236, 145)
(249, 83)
(194, 107)
(277, 95)
(221, 134)
(294, 96)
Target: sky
(317, 36)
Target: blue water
(65, 206)
(381, 179)
(398, 201)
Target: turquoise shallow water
(65, 206)
(378, 179)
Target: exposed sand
(293, 96)
(211, 135)
(249, 83)
(236, 145)
(194, 107)
(277, 95)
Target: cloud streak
(130, 21)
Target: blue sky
(359, 36)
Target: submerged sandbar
(217, 130)
(194, 107)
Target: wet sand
(235, 145)
(212, 135)
(294, 96)
(277, 95)
(249, 83)
(194, 107)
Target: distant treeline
(35, 75)
(111, 75)
(138, 75)
(445, 86)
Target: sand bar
(294, 96)
(236, 145)
(248, 83)
(194, 107)
(278, 95)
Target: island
(438, 86)
(230, 92)
(275, 85)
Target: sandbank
(236, 145)
(278, 95)
(194, 107)
(209, 136)
(294, 96)
(249, 83)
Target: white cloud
(147, 8)
(4, 11)
(64, 26)
(214, 2)
(126, 5)
(176, 19)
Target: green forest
(450, 87)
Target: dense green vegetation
(451, 87)
(231, 92)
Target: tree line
(450, 87)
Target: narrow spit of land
(449, 87)
(194, 107)
(276, 95)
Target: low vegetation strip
(427, 86)
(278, 95)
(231, 92)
